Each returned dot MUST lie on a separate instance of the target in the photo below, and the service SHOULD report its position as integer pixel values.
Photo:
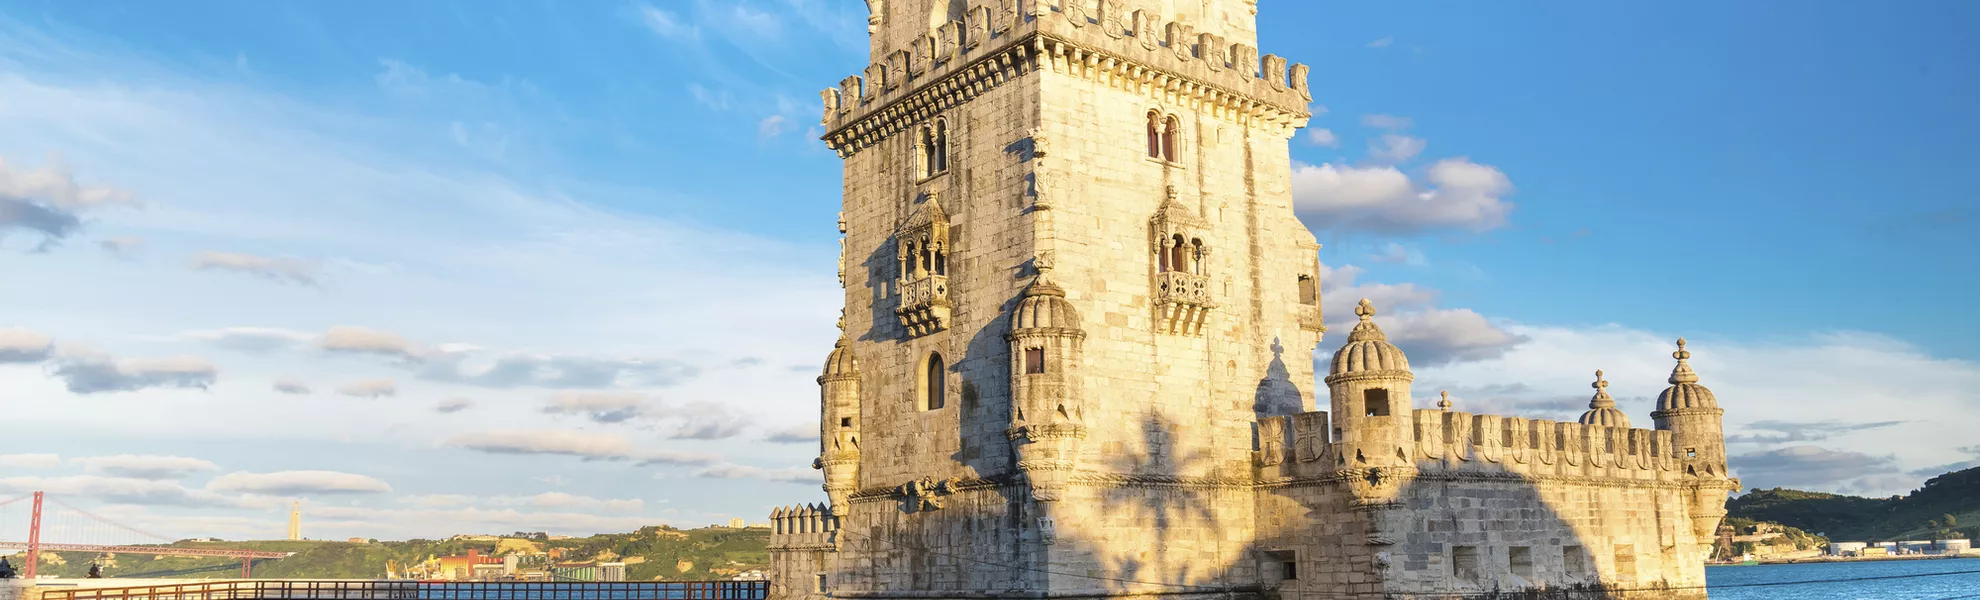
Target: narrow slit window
(932, 384)
(1309, 291)
(1171, 129)
(1034, 360)
(1154, 134)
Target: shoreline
(1847, 559)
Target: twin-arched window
(1182, 255)
(934, 148)
(1163, 136)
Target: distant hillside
(1922, 514)
(652, 553)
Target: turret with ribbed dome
(1602, 408)
(1693, 416)
(1369, 385)
(1047, 399)
(838, 421)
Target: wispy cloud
(288, 270)
(49, 202)
(89, 372)
(1381, 43)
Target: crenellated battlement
(1456, 441)
(803, 526)
(1125, 43)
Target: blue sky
(599, 235)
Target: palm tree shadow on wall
(1494, 536)
(1188, 539)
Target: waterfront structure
(1075, 355)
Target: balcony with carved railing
(924, 305)
(1182, 302)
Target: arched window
(1178, 254)
(938, 150)
(941, 260)
(1171, 131)
(932, 383)
(1196, 253)
(1154, 134)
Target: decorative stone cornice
(1170, 63)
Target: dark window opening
(1291, 569)
(1034, 360)
(1691, 453)
(1376, 401)
(932, 384)
(1309, 292)
(845, 422)
(1522, 561)
(1464, 563)
(1154, 135)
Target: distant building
(1846, 548)
(574, 571)
(1915, 547)
(358, 541)
(612, 571)
(1953, 546)
(738, 523)
(474, 567)
(295, 521)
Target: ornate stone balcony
(925, 305)
(1182, 302)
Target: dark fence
(423, 590)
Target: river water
(1899, 581)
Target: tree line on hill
(1946, 507)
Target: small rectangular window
(1574, 560)
(1464, 563)
(1376, 401)
(1691, 453)
(845, 422)
(1291, 569)
(1522, 561)
(1309, 291)
(1034, 360)
(819, 585)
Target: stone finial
(1445, 403)
(1682, 373)
(873, 9)
(1602, 398)
(1366, 330)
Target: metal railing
(424, 590)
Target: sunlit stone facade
(1076, 362)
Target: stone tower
(1071, 266)
(1077, 339)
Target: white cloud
(666, 24)
(1389, 122)
(803, 433)
(453, 405)
(121, 246)
(1381, 43)
(294, 483)
(364, 340)
(248, 339)
(771, 126)
(1322, 137)
(735, 471)
(30, 461)
(143, 466)
(369, 388)
(19, 345)
(1455, 194)
(48, 201)
(288, 270)
(564, 442)
(118, 490)
(1394, 253)
(1395, 148)
(88, 372)
(291, 386)
(602, 407)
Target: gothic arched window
(1171, 131)
(933, 385)
(1154, 134)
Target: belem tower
(1076, 360)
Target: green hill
(652, 553)
(1922, 514)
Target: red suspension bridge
(57, 526)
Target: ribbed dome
(841, 361)
(1367, 348)
(1045, 307)
(1684, 391)
(1602, 408)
